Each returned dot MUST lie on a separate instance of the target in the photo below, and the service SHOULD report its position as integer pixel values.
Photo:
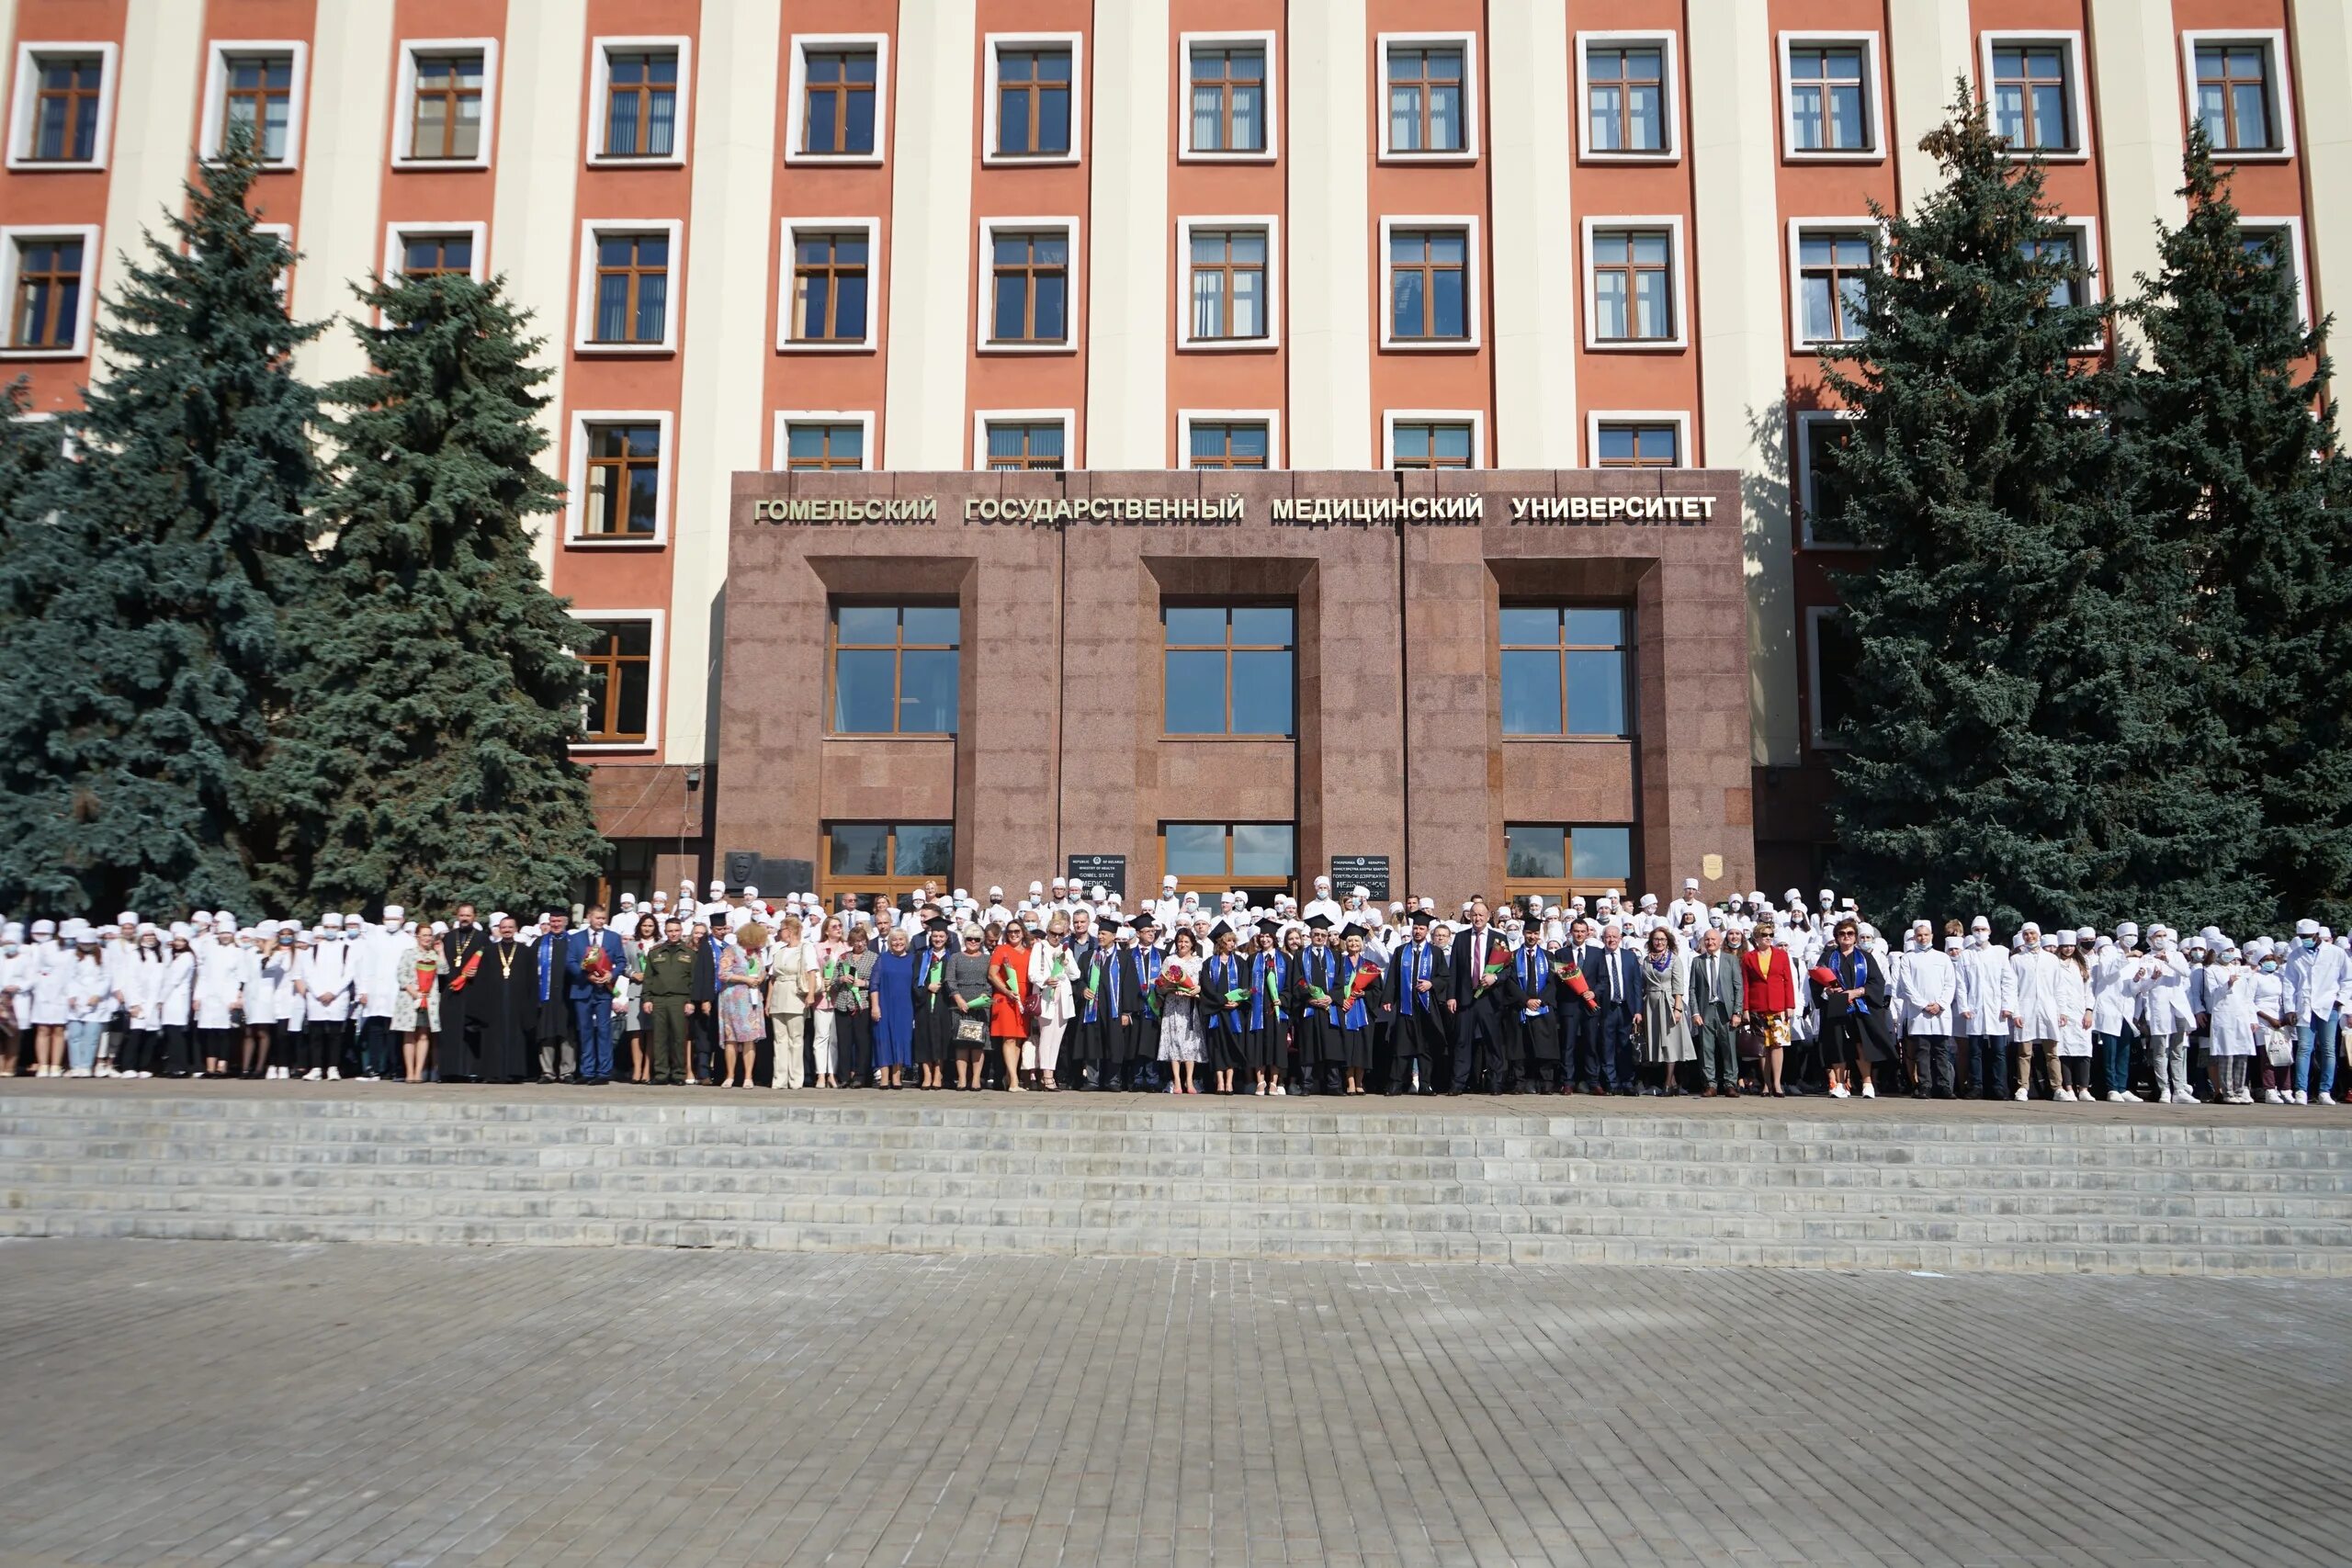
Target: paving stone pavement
(192, 1404)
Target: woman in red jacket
(1770, 990)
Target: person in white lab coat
(89, 1003)
(2074, 1013)
(376, 986)
(2319, 981)
(1928, 989)
(140, 983)
(2034, 1011)
(327, 997)
(2230, 1023)
(223, 969)
(16, 1002)
(46, 961)
(1983, 1008)
(2167, 1016)
(2120, 973)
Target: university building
(1239, 438)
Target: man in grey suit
(1712, 1008)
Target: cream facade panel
(2322, 34)
(2135, 65)
(161, 67)
(339, 224)
(1927, 44)
(1536, 347)
(1330, 199)
(931, 240)
(1127, 322)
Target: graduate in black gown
(503, 998)
(1322, 1055)
(1267, 1039)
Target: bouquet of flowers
(473, 962)
(1497, 962)
(1573, 978)
(597, 965)
(1823, 976)
(1173, 982)
(1361, 986)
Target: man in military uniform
(669, 987)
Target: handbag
(971, 1029)
(2278, 1047)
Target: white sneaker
(2067, 1095)
(1869, 1091)
(1837, 1091)
(2324, 1098)
(105, 1070)
(2022, 1095)
(77, 1072)
(2270, 1097)
(2124, 1096)
(334, 1074)
(1280, 1088)
(311, 1077)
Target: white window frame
(1474, 296)
(404, 99)
(983, 418)
(1800, 476)
(1676, 260)
(994, 45)
(25, 96)
(85, 309)
(1678, 418)
(788, 236)
(216, 94)
(1185, 44)
(585, 319)
(1391, 418)
(785, 419)
(1798, 227)
(1187, 418)
(2282, 95)
(2297, 256)
(1814, 615)
(1670, 68)
(284, 234)
(396, 236)
(600, 54)
(2086, 233)
(878, 44)
(2077, 100)
(657, 620)
(575, 505)
(1873, 88)
(985, 296)
(1471, 128)
(1268, 224)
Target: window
(1637, 284)
(1228, 669)
(1831, 657)
(822, 442)
(1433, 443)
(1227, 293)
(1431, 292)
(445, 108)
(2033, 94)
(1010, 443)
(619, 705)
(640, 102)
(47, 302)
(1830, 266)
(625, 304)
(620, 483)
(64, 95)
(1637, 443)
(2233, 82)
(894, 669)
(1565, 669)
(258, 96)
(840, 85)
(1819, 433)
(2065, 255)
(1032, 106)
(436, 255)
(1627, 86)
(1229, 96)
(1229, 443)
(1028, 287)
(829, 280)
(1429, 97)
(1252, 856)
(1556, 862)
(884, 861)
(1830, 104)
(2280, 241)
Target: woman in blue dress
(893, 1010)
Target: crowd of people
(1068, 989)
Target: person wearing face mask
(2315, 975)
(2120, 973)
(2168, 1017)
(222, 970)
(2034, 1011)
(139, 982)
(50, 959)
(15, 980)
(2075, 1015)
(2274, 1037)
(327, 987)
(2230, 1024)
(1928, 986)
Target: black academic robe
(507, 1005)
(461, 1027)
(1319, 1042)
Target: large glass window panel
(859, 850)
(1262, 693)
(1596, 692)
(1195, 695)
(1262, 848)
(1195, 849)
(862, 694)
(1604, 854)
(1531, 692)
(1534, 853)
(923, 850)
(927, 691)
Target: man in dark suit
(1420, 981)
(702, 1006)
(1713, 1007)
(1615, 976)
(1853, 1013)
(1472, 1003)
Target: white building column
(1328, 238)
(1927, 47)
(1129, 236)
(1742, 350)
(343, 177)
(931, 240)
(163, 66)
(1534, 245)
(2135, 60)
(2322, 67)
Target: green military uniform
(669, 987)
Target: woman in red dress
(1770, 993)
(1009, 999)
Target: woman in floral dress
(742, 1021)
(1181, 1033)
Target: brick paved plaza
(225, 1403)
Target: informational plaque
(1367, 872)
(1108, 872)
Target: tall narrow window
(1829, 98)
(258, 94)
(1230, 668)
(1033, 102)
(814, 447)
(829, 287)
(1565, 670)
(632, 288)
(65, 109)
(1429, 282)
(2030, 98)
(1015, 444)
(895, 669)
(445, 115)
(1416, 444)
(1830, 270)
(838, 116)
(623, 482)
(47, 310)
(1228, 444)
(1625, 98)
(1030, 288)
(1228, 87)
(1633, 285)
(640, 104)
(2234, 99)
(620, 682)
(1228, 268)
(1426, 99)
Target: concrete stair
(1133, 1175)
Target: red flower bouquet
(1573, 977)
(457, 981)
(1822, 975)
